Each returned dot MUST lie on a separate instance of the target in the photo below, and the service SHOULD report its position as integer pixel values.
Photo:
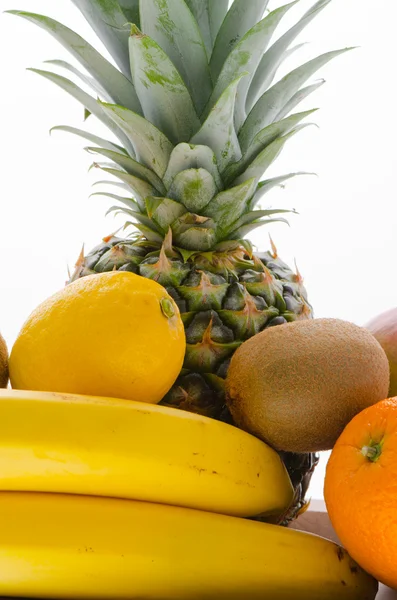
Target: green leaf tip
(18, 13)
(135, 31)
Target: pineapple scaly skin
(224, 299)
(198, 121)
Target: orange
(361, 490)
(114, 334)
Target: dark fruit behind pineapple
(384, 328)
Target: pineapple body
(197, 116)
(224, 299)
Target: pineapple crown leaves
(193, 105)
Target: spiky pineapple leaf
(116, 85)
(263, 161)
(140, 188)
(248, 247)
(241, 232)
(131, 166)
(131, 10)
(249, 104)
(209, 15)
(188, 220)
(90, 137)
(265, 137)
(118, 159)
(189, 156)
(118, 184)
(148, 232)
(102, 165)
(301, 95)
(265, 186)
(138, 216)
(152, 147)
(194, 238)
(186, 254)
(228, 206)
(228, 245)
(273, 58)
(255, 215)
(164, 211)
(218, 130)
(294, 49)
(171, 24)
(89, 102)
(217, 10)
(274, 100)
(241, 17)
(129, 202)
(165, 99)
(116, 210)
(109, 23)
(194, 188)
(245, 58)
(89, 81)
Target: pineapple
(198, 121)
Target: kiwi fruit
(297, 385)
(3, 363)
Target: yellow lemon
(114, 334)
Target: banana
(118, 448)
(59, 546)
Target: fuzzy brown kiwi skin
(3, 363)
(296, 386)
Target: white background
(343, 239)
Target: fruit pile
(168, 403)
(129, 492)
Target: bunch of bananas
(112, 499)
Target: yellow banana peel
(51, 442)
(60, 546)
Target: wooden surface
(316, 520)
